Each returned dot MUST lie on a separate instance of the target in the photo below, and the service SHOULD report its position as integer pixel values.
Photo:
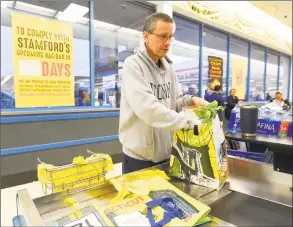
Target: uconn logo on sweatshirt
(161, 91)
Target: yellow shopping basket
(80, 173)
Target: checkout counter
(253, 195)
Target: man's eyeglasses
(164, 38)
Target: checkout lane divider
(56, 117)
(41, 147)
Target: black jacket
(231, 103)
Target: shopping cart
(81, 173)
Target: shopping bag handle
(195, 130)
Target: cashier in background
(151, 99)
(280, 101)
(268, 97)
(232, 101)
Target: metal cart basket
(82, 173)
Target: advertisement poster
(43, 69)
(216, 70)
(239, 77)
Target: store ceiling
(281, 10)
(264, 24)
(129, 14)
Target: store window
(272, 74)
(185, 55)
(214, 54)
(238, 67)
(284, 75)
(290, 95)
(77, 90)
(118, 31)
(257, 68)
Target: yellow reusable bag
(201, 159)
(134, 183)
(133, 210)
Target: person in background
(217, 95)
(118, 97)
(258, 97)
(83, 99)
(268, 97)
(101, 98)
(232, 100)
(280, 101)
(151, 99)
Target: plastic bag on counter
(201, 159)
(134, 183)
(234, 122)
(273, 122)
(272, 106)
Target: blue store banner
(263, 126)
(268, 127)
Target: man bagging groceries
(151, 99)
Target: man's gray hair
(152, 20)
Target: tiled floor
(8, 196)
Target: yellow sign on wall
(43, 70)
(239, 77)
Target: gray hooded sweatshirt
(150, 97)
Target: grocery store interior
(251, 41)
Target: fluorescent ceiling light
(104, 25)
(73, 13)
(34, 9)
(5, 4)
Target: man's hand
(199, 102)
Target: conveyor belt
(244, 210)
